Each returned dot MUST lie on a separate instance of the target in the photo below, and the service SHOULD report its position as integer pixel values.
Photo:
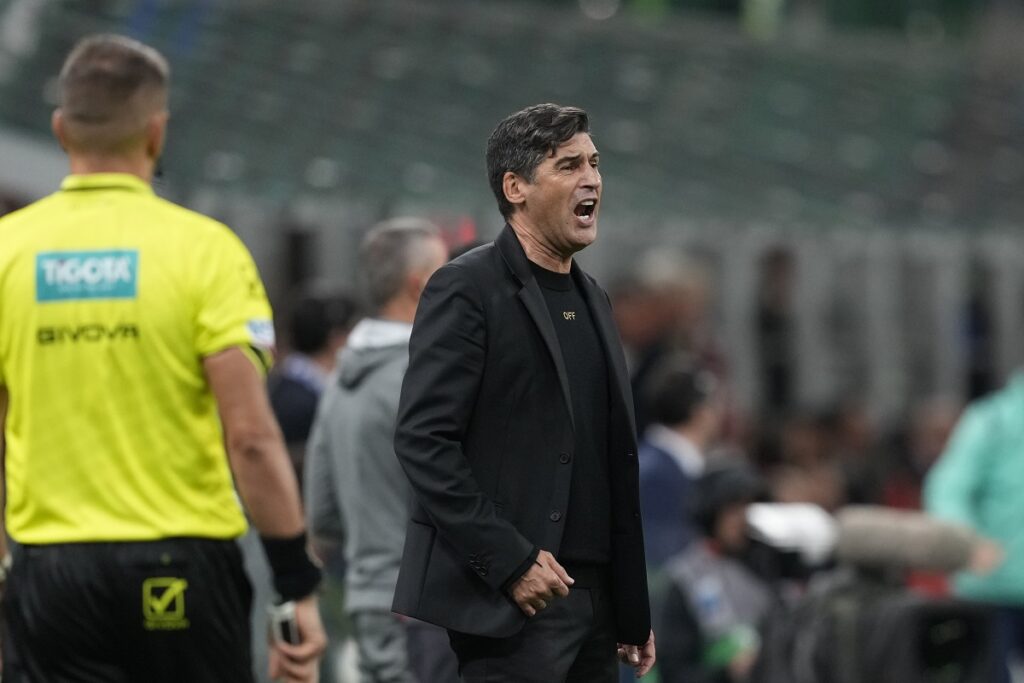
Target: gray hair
(388, 254)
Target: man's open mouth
(586, 208)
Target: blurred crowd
(828, 455)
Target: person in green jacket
(979, 482)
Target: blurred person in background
(645, 331)
(356, 493)
(927, 432)
(854, 446)
(775, 325)
(661, 308)
(977, 482)
(515, 429)
(714, 604)
(916, 451)
(318, 325)
(118, 348)
(682, 285)
(687, 415)
(805, 469)
(979, 329)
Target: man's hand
(741, 666)
(640, 658)
(299, 663)
(542, 583)
(986, 556)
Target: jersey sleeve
(3, 382)
(233, 306)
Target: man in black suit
(516, 431)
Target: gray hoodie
(355, 489)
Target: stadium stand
(886, 161)
(381, 99)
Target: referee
(127, 324)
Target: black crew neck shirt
(587, 534)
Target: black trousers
(164, 611)
(571, 641)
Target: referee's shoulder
(23, 217)
(18, 229)
(198, 225)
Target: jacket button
(564, 458)
(555, 515)
(636, 514)
(482, 571)
(631, 455)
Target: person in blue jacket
(685, 407)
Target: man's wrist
(296, 575)
(521, 570)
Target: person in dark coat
(516, 431)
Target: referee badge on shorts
(163, 603)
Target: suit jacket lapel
(609, 334)
(532, 298)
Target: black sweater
(587, 535)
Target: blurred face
(561, 205)
(709, 417)
(731, 528)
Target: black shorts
(172, 610)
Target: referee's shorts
(159, 611)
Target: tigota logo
(90, 332)
(68, 275)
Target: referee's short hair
(109, 87)
(388, 254)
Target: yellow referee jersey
(110, 297)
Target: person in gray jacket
(356, 492)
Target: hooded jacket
(356, 491)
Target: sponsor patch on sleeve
(71, 275)
(261, 333)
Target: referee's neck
(86, 164)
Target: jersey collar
(105, 181)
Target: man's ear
(156, 134)
(515, 188)
(415, 283)
(57, 126)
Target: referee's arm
(3, 473)
(266, 482)
(256, 449)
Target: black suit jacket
(485, 435)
